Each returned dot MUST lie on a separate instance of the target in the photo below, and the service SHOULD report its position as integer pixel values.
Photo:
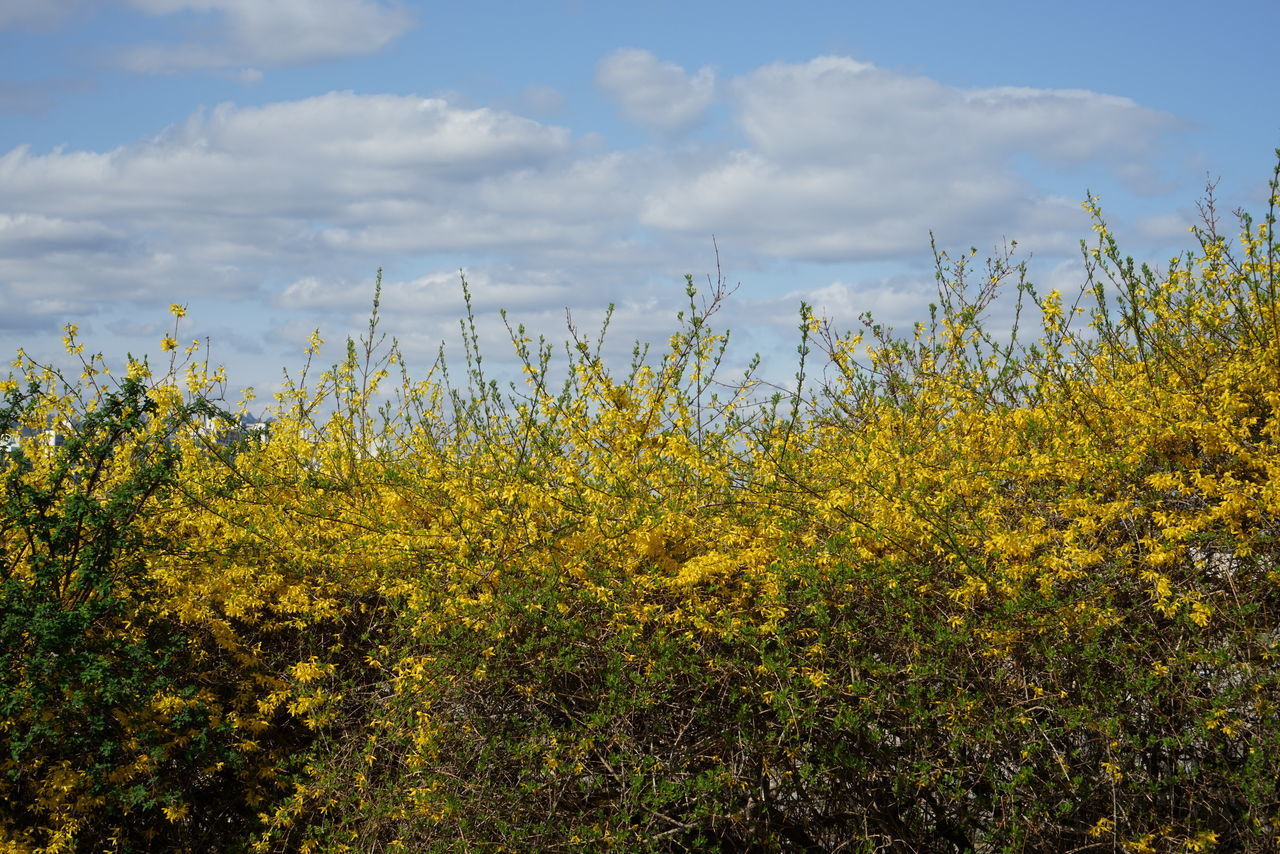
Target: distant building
(50, 437)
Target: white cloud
(833, 108)
(655, 94)
(895, 301)
(297, 158)
(279, 32)
(29, 234)
(436, 295)
(233, 195)
(846, 160)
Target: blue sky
(259, 161)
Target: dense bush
(957, 592)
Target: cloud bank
(656, 95)
(288, 206)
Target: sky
(258, 162)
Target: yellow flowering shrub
(956, 591)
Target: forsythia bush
(956, 592)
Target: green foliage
(115, 714)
